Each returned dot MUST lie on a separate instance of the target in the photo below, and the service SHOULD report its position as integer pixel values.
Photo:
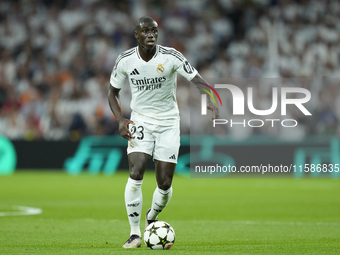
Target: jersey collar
(154, 56)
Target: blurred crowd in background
(56, 56)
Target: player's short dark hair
(143, 19)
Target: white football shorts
(160, 141)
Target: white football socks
(134, 202)
(159, 201)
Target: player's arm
(113, 97)
(183, 67)
(199, 81)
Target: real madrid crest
(131, 144)
(160, 68)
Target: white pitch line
(22, 210)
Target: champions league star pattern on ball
(159, 236)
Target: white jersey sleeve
(119, 74)
(183, 67)
(117, 77)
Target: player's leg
(134, 197)
(163, 192)
(167, 144)
(139, 150)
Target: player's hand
(214, 110)
(124, 129)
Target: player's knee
(136, 172)
(136, 175)
(165, 185)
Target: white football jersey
(153, 83)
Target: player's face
(147, 34)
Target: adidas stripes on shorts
(160, 141)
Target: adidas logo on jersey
(172, 157)
(134, 72)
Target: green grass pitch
(86, 215)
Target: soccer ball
(159, 235)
